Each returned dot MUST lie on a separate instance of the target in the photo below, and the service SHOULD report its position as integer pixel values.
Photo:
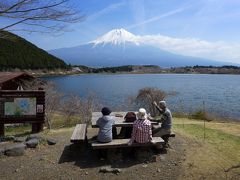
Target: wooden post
(37, 127)
(1, 129)
(204, 122)
(34, 128)
(40, 127)
(182, 111)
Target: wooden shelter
(13, 80)
(18, 104)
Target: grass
(219, 138)
(21, 130)
(222, 141)
(218, 151)
(212, 135)
(197, 115)
(58, 121)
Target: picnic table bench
(79, 133)
(117, 143)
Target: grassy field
(214, 151)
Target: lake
(220, 93)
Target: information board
(20, 107)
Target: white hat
(142, 113)
(163, 103)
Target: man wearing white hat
(166, 120)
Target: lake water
(220, 93)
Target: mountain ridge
(120, 47)
(16, 52)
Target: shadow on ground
(85, 157)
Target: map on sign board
(20, 107)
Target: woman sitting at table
(126, 132)
(106, 131)
(142, 130)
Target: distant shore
(133, 69)
(153, 69)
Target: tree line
(16, 52)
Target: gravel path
(68, 161)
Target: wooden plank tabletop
(119, 121)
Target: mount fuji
(120, 47)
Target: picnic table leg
(1, 129)
(166, 141)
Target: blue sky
(211, 21)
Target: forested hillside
(16, 52)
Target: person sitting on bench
(142, 130)
(166, 120)
(126, 132)
(106, 132)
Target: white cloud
(105, 10)
(138, 11)
(215, 50)
(219, 50)
(161, 16)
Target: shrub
(202, 115)
(146, 97)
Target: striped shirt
(142, 131)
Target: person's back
(167, 119)
(105, 128)
(142, 131)
(126, 132)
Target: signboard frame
(36, 120)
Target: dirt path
(67, 161)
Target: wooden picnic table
(80, 133)
(119, 121)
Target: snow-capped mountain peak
(116, 37)
(119, 47)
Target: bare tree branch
(146, 96)
(38, 15)
(32, 9)
(13, 6)
(21, 21)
